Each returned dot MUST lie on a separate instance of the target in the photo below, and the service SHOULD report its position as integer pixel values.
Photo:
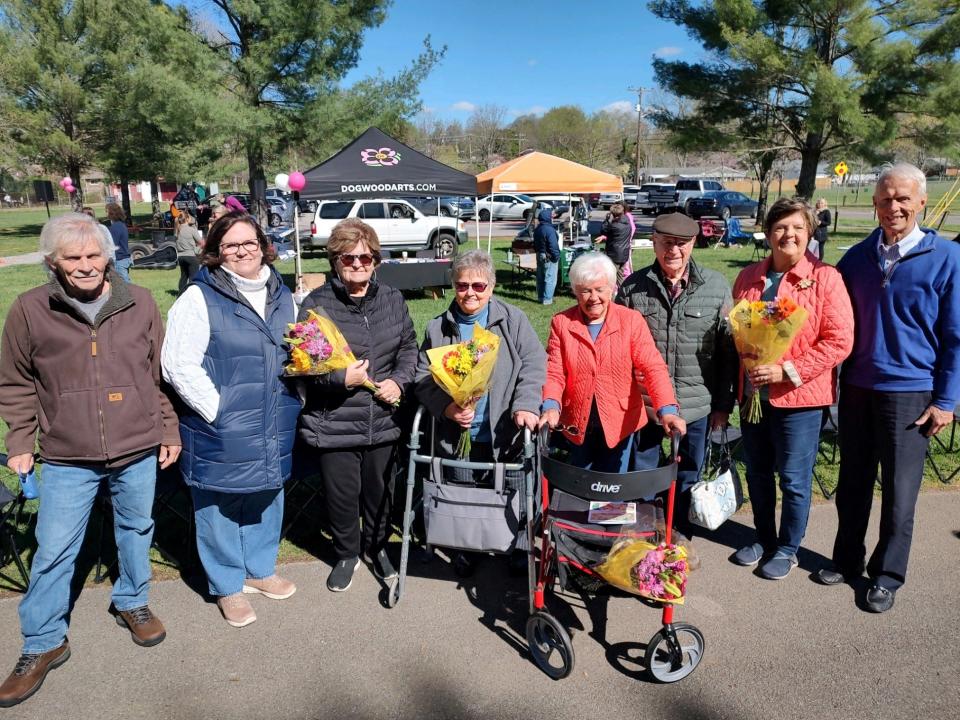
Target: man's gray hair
(70, 228)
(593, 266)
(904, 171)
(474, 261)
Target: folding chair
(951, 447)
(11, 514)
(760, 246)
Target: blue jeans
(785, 441)
(123, 268)
(67, 493)
(546, 278)
(693, 451)
(238, 536)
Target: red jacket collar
(757, 272)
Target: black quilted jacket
(379, 329)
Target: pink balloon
(297, 181)
(70, 189)
(67, 180)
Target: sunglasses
(478, 287)
(365, 259)
(569, 429)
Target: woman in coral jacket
(598, 357)
(793, 392)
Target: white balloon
(282, 181)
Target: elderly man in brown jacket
(80, 373)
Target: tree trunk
(73, 170)
(155, 202)
(125, 197)
(809, 158)
(258, 200)
(764, 167)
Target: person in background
(615, 232)
(87, 210)
(353, 431)
(601, 359)
(189, 241)
(217, 212)
(546, 243)
(821, 235)
(628, 265)
(121, 239)
(224, 355)
(794, 391)
(80, 374)
(685, 306)
(901, 384)
(496, 422)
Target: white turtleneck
(187, 337)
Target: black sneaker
(834, 576)
(341, 577)
(381, 566)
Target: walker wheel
(393, 594)
(550, 645)
(674, 652)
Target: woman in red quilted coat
(600, 356)
(793, 392)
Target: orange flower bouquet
(763, 332)
(464, 371)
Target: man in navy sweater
(900, 385)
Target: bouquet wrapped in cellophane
(317, 347)
(763, 332)
(658, 572)
(464, 371)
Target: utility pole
(639, 92)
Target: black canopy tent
(377, 165)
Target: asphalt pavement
(455, 649)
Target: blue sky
(526, 56)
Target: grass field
(19, 229)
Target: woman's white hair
(71, 228)
(593, 266)
(904, 171)
(474, 261)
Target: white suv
(399, 225)
(505, 206)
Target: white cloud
(464, 106)
(532, 110)
(667, 51)
(620, 106)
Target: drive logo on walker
(603, 487)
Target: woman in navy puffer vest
(224, 355)
(355, 432)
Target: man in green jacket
(686, 309)
(80, 372)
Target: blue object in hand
(28, 481)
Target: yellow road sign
(840, 168)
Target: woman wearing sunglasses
(496, 422)
(601, 357)
(224, 355)
(353, 431)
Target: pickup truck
(399, 225)
(659, 197)
(689, 188)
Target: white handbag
(713, 501)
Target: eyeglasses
(365, 259)
(569, 429)
(478, 287)
(249, 246)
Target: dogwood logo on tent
(383, 157)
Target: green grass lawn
(163, 283)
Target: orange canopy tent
(539, 172)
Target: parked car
(688, 189)
(305, 205)
(505, 206)
(630, 193)
(724, 204)
(659, 197)
(281, 211)
(609, 198)
(450, 205)
(399, 225)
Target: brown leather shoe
(29, 674)
(145, 627)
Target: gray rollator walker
(562, 543)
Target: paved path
(783, 650)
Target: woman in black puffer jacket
(353, 430)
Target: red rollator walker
(564, 545)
